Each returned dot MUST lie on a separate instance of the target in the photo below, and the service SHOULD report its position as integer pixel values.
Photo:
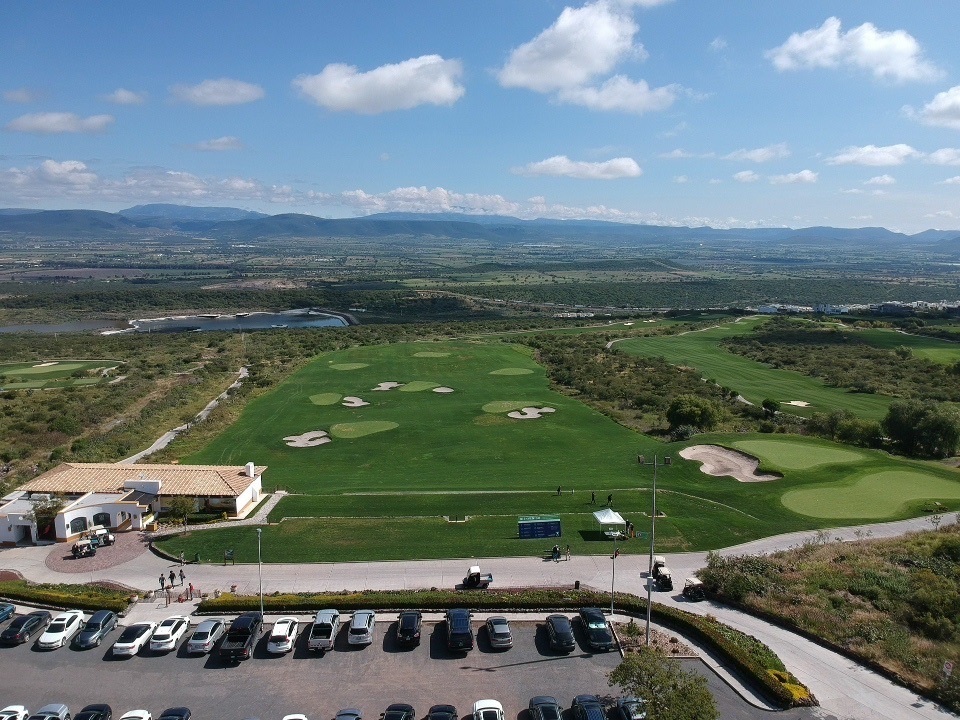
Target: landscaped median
(80, 597)
(742, 653)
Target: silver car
(206, 635)
(498, 630)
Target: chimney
(250, 469)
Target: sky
(746, 113)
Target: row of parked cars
(541, 707)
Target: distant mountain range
(232, 224)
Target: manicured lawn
(55, 375)
(797, 453)
(934, 349)
(754, 381)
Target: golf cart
(662, 578)
(693, 589)
(83, 548)
(477, 579)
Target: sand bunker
(353, 402)
(530, 413)
(798, 403)
(719, 461)
(389, 385)
(47, 364)
(443, 389)
(308, 439)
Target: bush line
(79, 597)
(779, 687)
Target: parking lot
(368, 678)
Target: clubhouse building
(123, 497)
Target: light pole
(613, 576)
(260, 569)
(653, 534)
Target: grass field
(933, 349)
(52, 373)
(754, 381)
(388, 494)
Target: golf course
(427, 450)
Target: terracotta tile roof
(192, 480)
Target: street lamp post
(260, 569)
(653, 534)
(613, 576)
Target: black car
(94, 712)
(587, 707)
(442, 712)
(459, 630)
(629, 708)
(408, 627)
(560, 631)
(544, 707)
(595, 626)
(99, 624)
(25, 627)
(175, 713)
(399, 711)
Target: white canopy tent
(609, 521)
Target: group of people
(168, 589)
(556, 553)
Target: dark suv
(408, 628)
(587, 707)
(99, 624)
(459, 630)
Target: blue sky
(682, 112)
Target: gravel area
(128, 546)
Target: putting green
(431, 354)
(502, 406)
(325, 398)
(419, 386)
(797, 454)
(348, 366)
(877, 495)
(512, 371)
(359, 429)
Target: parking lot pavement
(370, 678)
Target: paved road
(844, 689)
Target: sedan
(598, 632)
(94, 712)
(399, 711)
(283, 636)
(349, 714)
(587, 707)
(61, 630)
(629, 708)
(53, 711)
(6, 611)
(442, 712)
(561, 633)
(99, 624)
(14, 712)
(498, 630)
(132, 640)
(25, 627)
(137, 715)
(175, 713)
(544, 707)
(487, 710)
(206, 635)
(169, 633)
(408, 628)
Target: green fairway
(873, 496)
(933, 349)
(754, 381)
(53, 373)
(797, 453)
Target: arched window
(102, 518)
(78, 525)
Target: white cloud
(23, 96)
(621, 93)
(944, 156)
(220, 144)
(955, 180)
(942, 111)
(677, 154)
(120, 96)
(55, 123)
(223, 91)
(861, 217)
(853, 191)
(894, 55)
(874, 156)
(715, 181)
(804, 176)
(562, 166)
(384, 157)
(760, 155)
(746, 176)
(881, 180)
(681, 179)
(425, 80)
(718, 43)
(941, 214)
(423, 199)
(582, 44)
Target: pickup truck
(323, 633)
(241, 637)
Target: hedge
(79, 597)
(741, 652)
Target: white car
(206, 635)
(295, 716)
(283, 636)
(169, 633)
(61, 630)
(14, 712)
(136, 715)
(361, 627)
(487, 710)
(133, 638)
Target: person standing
(568, 553)
(181, 558)
(610, 499)
(558, 489)
(183, 576)
(163, 582)
(173, 578)
(190, 591)
(593, 498)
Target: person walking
(173, 578)
(558, 489)
(568, 553)
(181, 558)
(163, 582)
(190, 591)
(183, 576)
(556, 553)
(168, 597)
(593, 498)
(610, 499)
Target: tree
(44, 512)
(923, 429)
(671, 692)
(180, 506)
(693, 410)
(770, 407)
